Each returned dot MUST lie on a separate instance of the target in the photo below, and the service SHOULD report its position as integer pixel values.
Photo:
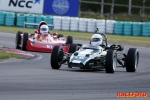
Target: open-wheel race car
(99, 56)
(42, 40)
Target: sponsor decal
(131, 94)
(30, 6)
(60, 6)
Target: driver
(96, 40)
(43, 29)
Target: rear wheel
(111, 61)
(18, 39)
(56, 57)
(73, 48)
(69, 40)
(132, 60)
(24, 41)
(60, 35)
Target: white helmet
(44, 29)
(96, 40)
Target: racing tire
(60, 35)
(24, 41)
(69, 40)
(56, 57)
(18, 40)
(111, 61)
(73, 48)
(132, 60)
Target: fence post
(143, 7)
(112, 9)
(102, 7)
(130, 7)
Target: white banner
(27, 6)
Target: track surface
(35, 80)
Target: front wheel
(18, 39)
(56, 57)
(132, 60)
(111, 61)
(24, 41)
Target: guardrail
(78, 24)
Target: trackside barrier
(21, 17)
(127, 28)
(10, 19)
(118, 27)
(77, 24)
(2, 17)
(137, 29)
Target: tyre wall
(77, 24)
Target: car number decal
(76, 61)
(49, 46)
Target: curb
(19, 52)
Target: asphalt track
(35, 80)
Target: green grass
(5, 55)
(119, 39)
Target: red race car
(42, 40)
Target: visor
(95, 39)
(43, 29)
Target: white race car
(96, 57)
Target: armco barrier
(78, 24)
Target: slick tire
(132, 60)
(60, 35)
(24, 41)
(111, 61)
(18, 40)
(69, 40)
(73, 48)
(56, 57)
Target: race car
(96, 55)
(42, 40)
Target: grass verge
(119, 39)
(5, 55)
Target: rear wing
(37, 24)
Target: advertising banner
(61, 7)
(28, 6)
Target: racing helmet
(44, 29)
(96, 40)
(55, 34)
